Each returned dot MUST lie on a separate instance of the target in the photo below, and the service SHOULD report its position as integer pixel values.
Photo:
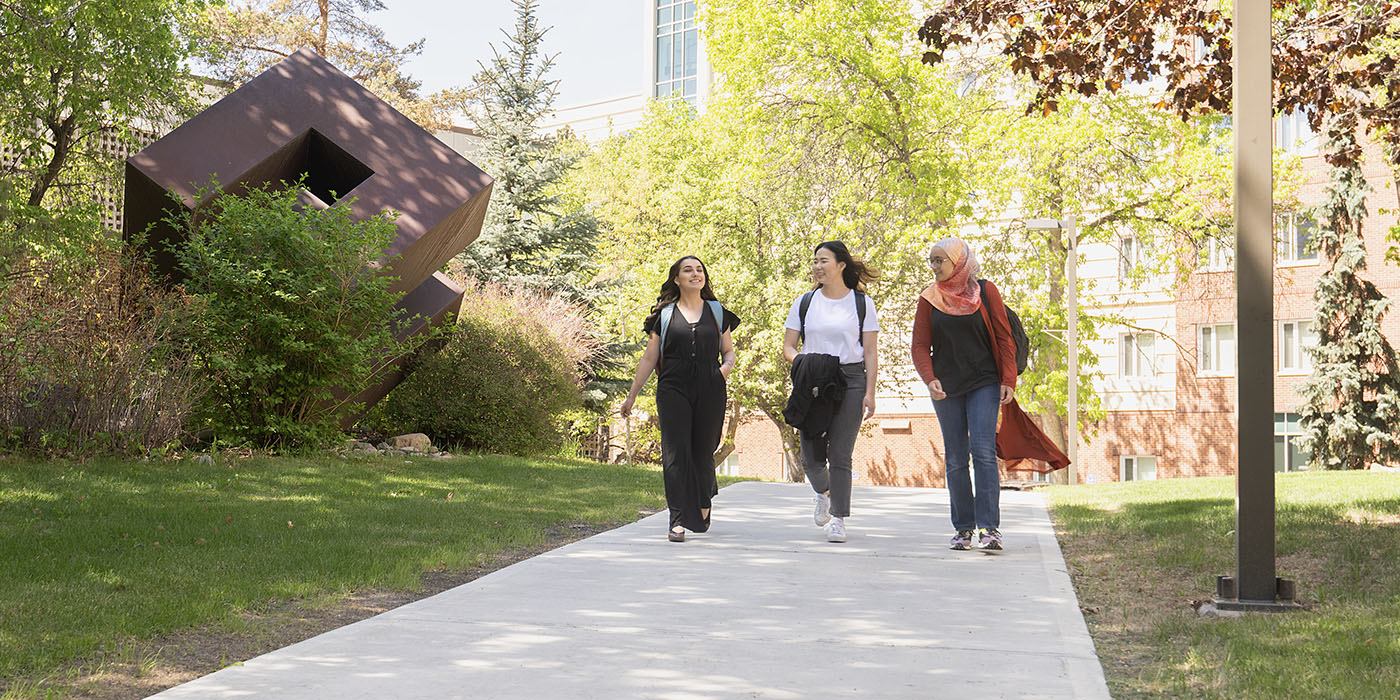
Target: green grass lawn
(96, 553)
(1141, 552)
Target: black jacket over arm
(817, 388)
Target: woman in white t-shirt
(834, 324)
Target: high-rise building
(679, 65)
(676, 67)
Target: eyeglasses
(936, 261)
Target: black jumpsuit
(690, 401)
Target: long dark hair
(856, 273)
(671, 292)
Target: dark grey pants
(827, 459)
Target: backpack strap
(663, 324)
(991, 331)
(716, 310)
(860, 318)
(802, 315)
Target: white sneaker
(836, 530)
(821, 512)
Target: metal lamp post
(1254, 585)
(1071, 227)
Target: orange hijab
(959, 295)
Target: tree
(825, 126)
(1334, 61)
(530, 236)
(76, 73)
(1353, 394)
(246, 39)
(292, 316)
(1132, 175)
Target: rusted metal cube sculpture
(305, 116)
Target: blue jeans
(969, 425)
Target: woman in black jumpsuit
(690, 389)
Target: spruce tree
(528, 237)
(1353, 394)
(531, 237)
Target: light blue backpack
(716, 310)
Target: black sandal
(674, 536)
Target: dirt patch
(140, 668)
(1124, 609)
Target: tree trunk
(325, 7)
(726, 446)
(1054, 426)
(792, 451)
(62, 145)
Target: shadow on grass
(109, 550)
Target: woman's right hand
(626, 408)
(935, 390)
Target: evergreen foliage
(529, 237)
(1353, 395)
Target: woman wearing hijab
(688, 335)
(969, 375)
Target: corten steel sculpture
(305, 116)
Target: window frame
(730, 465)
(1215, 370)
(1296, 120)
(1287, 437)
(1220, 255)
(1123, 461)
(1129, 255)
(1299, 346)
(682, 55)
(1286, 230)
(1138, 356)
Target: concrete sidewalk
(759, 607)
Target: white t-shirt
(831, 325)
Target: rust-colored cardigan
(1020, 442)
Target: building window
(1288, 454)
(1137, 468)
(1219, 253)
(1295, 337)
(677, 50)
(967, 82)
(1129, 254)
(1216, 346)
(730, 465)
(1219, 133)
(1294, 134)
(1137, 355)
(1201, 52)
(1295, 232)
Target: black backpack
(1018, 334)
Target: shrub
(293, 312)
(510, 369)
(88, 363)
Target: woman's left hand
(868, 404)
(726, 370)
(1007, 393)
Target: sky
(601, 44)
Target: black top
(963, 358)
(692, 344)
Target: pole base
(1285, 591)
